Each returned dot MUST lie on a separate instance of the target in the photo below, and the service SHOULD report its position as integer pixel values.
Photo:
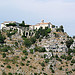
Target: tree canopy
(1, 38)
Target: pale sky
(58, 12)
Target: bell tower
(42, 21)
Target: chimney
(42, 21)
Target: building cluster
(29, 30)
(37, 26)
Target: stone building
(42, 24)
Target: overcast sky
(58, 12)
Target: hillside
(44, 52)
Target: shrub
(33, 40)
(4, 55)
(11, 24)
(69, 57)
(39, 39)
(42, 64)
(40, 49)
(52, 70)
(25, 52)
(73, 69)
(22, 64)
(16, 65)
(35, 73)
(28, 61)
(46, 60)
(53, 26)
(44, 73)
(45, 55)
(63, 57)
(62, 42)
(27, 64)
(2, 66)
(1, 38)
(4, 73)
(69, 42)
(5, 49)
(10, 73)
(73, 61)
(51, 66)
(8, 66)
(60, 68)
(16, 44)
(27, 42)
(31, 51)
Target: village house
(7, 22)
(42, 24)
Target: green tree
(53, 26)
(22, 24)
(33, 40)
(31, 51)
(27, 42)
(8, 66)
(1, 38)
(69, 42)
(4, 55)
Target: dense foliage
(60, 29)
(42, 32)
(23, 24)
(69, 42)
(40, 49)
(11, 24)
(12, 33)
(2, 38)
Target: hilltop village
(40, 49)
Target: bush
(63, 57)
(5, 49)
(40, 49)
(31, 51)
(46, 60)
(42, 32)
(10, 34)
(16, 44)
(51, 66)
(11, 24)
(4, 73)
(69, 42)
(27, 42)
(45, 55)
(62, 42)
(73, 61)
(35, 73)
(22, 64)
(42, 64)
(9, 66)
(53, 26)
(33, 40)
(1, 38)
(60, 68)
(69, 57)
(27, 64)
(4, 55)
(73, 69)
(44, 74)
(2, 66)
(10, 73)
(25, 52)
(60, 29)
(52, 70)
(28, 61)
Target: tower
(42, 21)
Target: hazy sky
(58, 12)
